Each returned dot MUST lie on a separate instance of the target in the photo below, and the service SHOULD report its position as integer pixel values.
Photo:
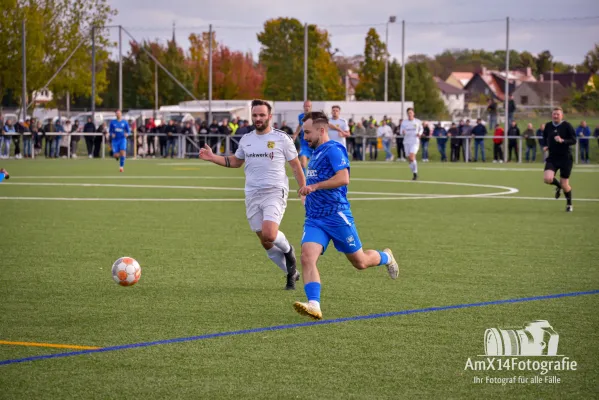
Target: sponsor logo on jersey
(311, 173)
(270, 145)
(270, 155)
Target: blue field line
(298, 325)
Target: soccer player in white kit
(412, 129)
(265, 152)
(338, 127)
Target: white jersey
(413, 129)
(334, 134)
(265, 158)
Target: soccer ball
(126, 271)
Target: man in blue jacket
(478, 133)
(583, 133)
(441, 134)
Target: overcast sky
(430, 24)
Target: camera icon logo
(538, 338)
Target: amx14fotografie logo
(532, 349)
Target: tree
(282, 58)
(544, 62)
(420, 88)
(372, 67)
(591, 60)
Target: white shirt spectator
(384, 131)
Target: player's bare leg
(413, 165)
(121, 158)
(310, 253)
(371, 258)
(280, 251)
(565, 184)
(549, 178)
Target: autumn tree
(282, 56)
(372, 67)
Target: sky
(431, 26)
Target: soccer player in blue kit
(3, 174)
(305, 150)
(119, 130)
(328, 214)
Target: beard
(261, 126)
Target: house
(578, 80)
(534, 94)
(487, 84)
(459, 79)
(453, 97)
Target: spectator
(531, 144)
(441, 134)
(401, 152)
(466, 148)
(386, 134)
(284, 128)
(454, 142)
(372, 142)
(98, 139)
(28, 139)
(478, 133)
(58, 128)
(539, 134)
(498, 145)
(583, 133)
(511, 109)
(359, 133)
(424, 140)
(49, 139)
(65, 140)
(37, 138)
(188, 134)
(512, 141)
(596, 134)
(171, 130)
(75, 139)
(275, 126)
(151, 138)
(161, 129)
(6, 139)
(492, 111)
(89, 128)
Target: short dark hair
(317, 117)
(258, 102)
(336, 106)
(408, 110)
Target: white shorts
(411, 147)
(266, 205)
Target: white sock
(278, 257)
(282, 243)
(414, 166)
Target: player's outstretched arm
(298, 172)
(225, 161)
(341, 178)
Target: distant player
(305, 150)
(328, 214)
(3, 174)
(265, 152)
(338, 127)
(411, 129)
(558, 136)
(119, 130)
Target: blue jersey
(303, 143)
(327, 159)
(119, 128)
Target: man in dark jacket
(89, 127)
(512, 141)
(478, 133)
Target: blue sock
(312, 290)
(2, 176)
(122, 161)
(384, 258)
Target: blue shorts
(338, 227)
(119, 145)
(306, 151)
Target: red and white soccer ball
(126, 271)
